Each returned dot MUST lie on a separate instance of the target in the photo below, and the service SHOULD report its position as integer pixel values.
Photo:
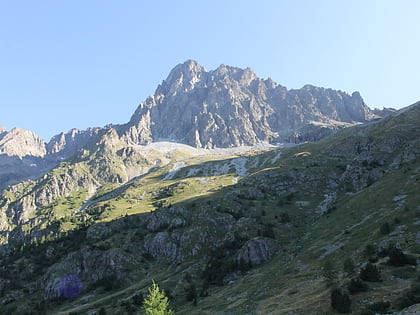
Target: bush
(284, 217)
(348, 266)
(385, 228)
(370, 251)
(328, 271)
(357, 285)
(340, 301)
(138, 299)
(370, 273)
(156, 302)
(108, 283)
(398, 258)
(191, 293)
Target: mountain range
(234, 194)
(226, 107)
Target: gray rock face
(384, 111)
(229, 107)
(67, 144)
(3, 132)
(256, 251)
(20, 142)
(22, 156)
(88, 264)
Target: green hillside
(271, 231)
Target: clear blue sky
(67, 64)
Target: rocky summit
(197, 194)
(231, 107)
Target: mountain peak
(231, 106)
(182, 78)
(21, 142)
(189, 66)
(192, 64)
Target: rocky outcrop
(229, 107)
(89, 265)
(22, 156)
(3, 132)
(20, 142)
(385, 111)
(256, 251)
(67, 144)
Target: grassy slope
(292, 281)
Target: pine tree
(328, 272)
(156, 303)
(348, 266)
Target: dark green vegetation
(317, 228)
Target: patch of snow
(169, 146)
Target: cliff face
(229, 107)
(24, 155)
(20, 142)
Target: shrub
(268, 230)
(191, 293)
(370, 251)
(138, 299)
(284, 217)
(109, 283)
(370, 273)
(357, 285)
(398, 258)
(385, 228)
(340, 301)
(348, 266)
(156, 303)
(328, 271)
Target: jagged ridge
(230, 107)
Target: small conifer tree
(340, 301)
(348, 266)
(156, 303)
(328, 272)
